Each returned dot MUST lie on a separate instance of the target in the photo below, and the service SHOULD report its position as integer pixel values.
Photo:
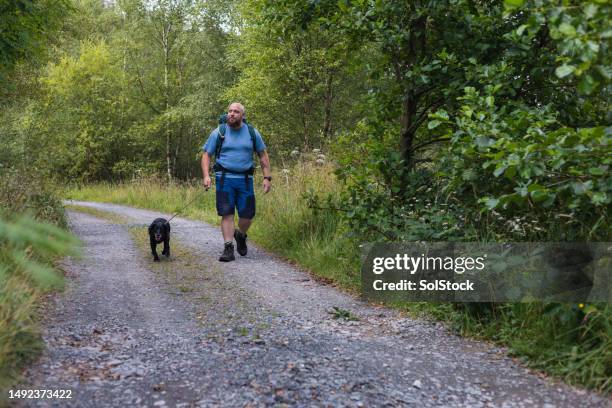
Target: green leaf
(550, 200)
(604, 71)
(564, 70)
(499, 171)
(483, 141)
(590, 11)
(512, 4)
(587, 85)
(567, 29)
(510, 198)
(440, 114)
(597, 171)
(599, 198)
(535, 187)
(44, 276)
(510, 172)
(540, 195)
(433, 124)
(580, 187)
(491, 203)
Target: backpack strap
(221, 129)
(253, 137)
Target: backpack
(223, 129)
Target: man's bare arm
(265, 163)
(205, 170)
(265, 166)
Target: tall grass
(28, 247)
(19, 335)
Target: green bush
(28, 248)
(27, 251)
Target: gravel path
(191, 331)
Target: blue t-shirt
(237, 149)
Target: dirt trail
(255, 332)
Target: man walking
(233, 145)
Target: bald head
(237, 105)
(235, 113)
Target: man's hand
(267, 185)
(207, 182)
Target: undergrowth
(30, 242)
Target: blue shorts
(235, 193)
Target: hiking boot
(241, 245)
(228, 253)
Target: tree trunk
(167, 103)
(174, 165)
(407, 131)
(305, 124)
(415, 47)
(329, 98)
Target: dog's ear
(150, 228)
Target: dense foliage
(132, 89)
(25, 29)
(500, 110)
(484, 122)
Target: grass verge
(116, 218)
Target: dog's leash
(185, 206)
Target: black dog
(159, 231)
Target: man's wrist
(269, 178)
